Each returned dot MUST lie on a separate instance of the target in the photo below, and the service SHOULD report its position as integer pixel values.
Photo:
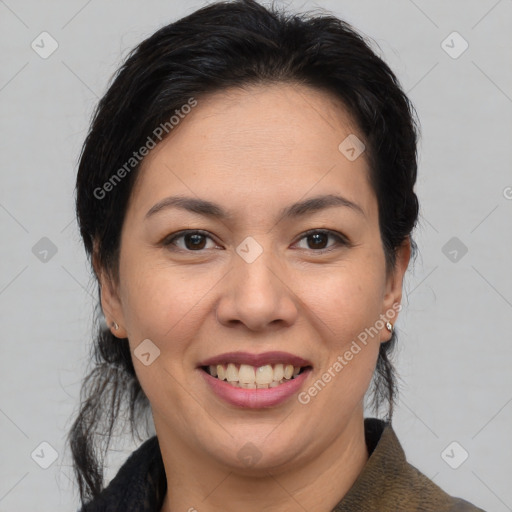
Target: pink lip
(255, 398)
(256, 359)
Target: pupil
(196, 239)
(319, 238)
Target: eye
(317, 240)
(191, 240)
(196, 240)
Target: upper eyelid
(171, 238)
(327, 231)
(342, 238)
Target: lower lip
(255, 398)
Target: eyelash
(341, 239)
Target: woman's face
(270, 271)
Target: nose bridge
(256, 294)
(254, 274)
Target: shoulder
(431, 495)
(139, 485)
(388, 483)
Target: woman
(245, 195)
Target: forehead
(258, 143)
(270, 117)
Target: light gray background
(455, 338)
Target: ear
(110, 301)
(394, 283)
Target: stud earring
(115, 326)
(389, 326)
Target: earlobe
(394, 285)
(111, 305)
(110, 301)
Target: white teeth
(249, 377)
(246, 374)
(264, 374)
(288, 371)
(231, 373)
(278, 372)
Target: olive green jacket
(388, 483)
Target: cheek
(347, 304)
(347, 299)
(162, 301)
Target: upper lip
(256, 360)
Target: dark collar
(387, 483)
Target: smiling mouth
(252, 377)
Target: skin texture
(255, 151)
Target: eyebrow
(209, 209)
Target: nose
(258, 295)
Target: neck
(198, 485)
